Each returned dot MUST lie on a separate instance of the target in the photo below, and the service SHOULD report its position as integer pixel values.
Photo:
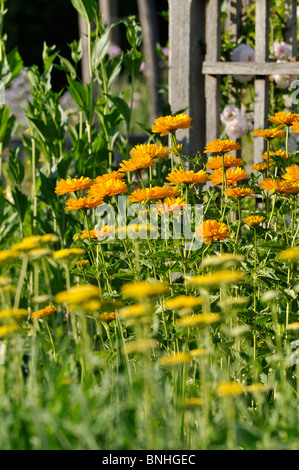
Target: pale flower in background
(229, 113)
(243, 53)
(237, 128)
(284, 81)
(282, 50)
(113, 51)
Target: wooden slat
(212, 83)
(248, 68)
(234, 20)
(261, 100)
(186, 82)
(291, 27)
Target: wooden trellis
(195, 66)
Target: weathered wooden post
(148, 20)
(108, 9)
(261, 100)
(186, 82)
(84, 63)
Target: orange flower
(230, 161)
(135, 164)
(84, 234)
(278, 153)
(171, 205)
(166, 124)
(254, 220)
(184, 176)
(239, 192)
(109, 176)
(73, 204)
(232, 176)
(278, 186)
(70, 186)
(211, 230)
(156, 192)
(151, 150)
(284, 118)
(295, 127)
(222, 146)
(110, 187)
(269, 134)
(262, 166)
(44, 312)
(292, 173)
(105, 231)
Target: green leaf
(122, 107)
(16, 166)
(21, 202)
(86, 8)
(100, 49)
(132, 62)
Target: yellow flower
(230, 161)
(111, 187)
(102, 179)
(199, 319)
(278, 153)
(77, 295)
(151, 150)
(170, 205)
(257, 388)
(6, 256)
(218, 278)
(295, 127)
(175, 359)
(239, 192)
(70, 186)
(107, 317)
(290, 254)
(7, 329)
(135, 311)
(192, 402)
(39, 253)
(212, 230)
(13, 313)
(279, 186)
(262, 166)
(187, 177)
(140, 346)
(269, 134)
(82, 264)
(44, 312)
(27, 244)
(92, 234)
(232, 176)
(66, 253)
(292, 174)
(49, 238)
(226, 259)
(282, 117)
(166, 124)
(254, 220)
(143, 289)
(228, 388)
(221, 146)
(156, 192)
(135, 164)
(295, 325)
(183, 301)
(82, 203)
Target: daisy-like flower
(104, 231)
(270, 134)
(187, 177)
(166, 124)
(200, 318)
(183, 301)
(230, 161)
(262, 166)
(7, 329)
(27, 244)
(232, 176)
(83, 203)
(284, 118)
(108, 176)
(143, 289)
(107, 317)
(44, 312)
(135, 164)
(140, 346)
(70, 186)
(212, 230)
(295, 127)
(151, 150)
(84, 234)
(15, 313)
(175, 359)
(222, 146)
(111, 187)
(279, 186)
(290, 254)
(292, 174)
(77, 295)
(239, 192)
(277, 153)
(82, 264)
(8, 255)
(229, 388)
(254, 220)
(218, 278)
(68, 253)
(170, 205)
(156, 192)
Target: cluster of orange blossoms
(226, 169)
